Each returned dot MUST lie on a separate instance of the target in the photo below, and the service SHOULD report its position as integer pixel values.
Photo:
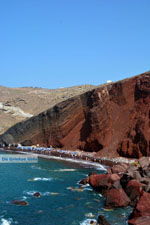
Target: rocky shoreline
(126, 182)
(126, 185)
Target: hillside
(18, 104)
(112, 120)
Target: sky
(62, 43)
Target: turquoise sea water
(59, 204)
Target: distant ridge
(17, 104)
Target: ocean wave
(24, 197)
(64, 170)
(87, 164)
(89, 215)
(40, 179)
(78, 189)
(7, 221)
(57, 170)
(30, 193)
(88, 222)
(37, 167)
(88, 189)
(46, 193)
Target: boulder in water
(116, 198)
(103, 182)
(141, 213)
(84, 181)
(102, 221)
(37, 194)
(19, 202)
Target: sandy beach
(67, 155)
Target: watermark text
(18, 158)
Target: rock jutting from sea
(111, 120)
(126, 185)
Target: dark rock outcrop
(37, 194)
(134, 190)
(102, 221)
(113, 120)
(19, 202)
(84, 181)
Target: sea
(62, 201)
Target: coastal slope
(18, 104)
(112, 120)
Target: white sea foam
(37, 167)
(30, 193)
(88, 189)
(58, 170)
(24, 198)
(79, 161)
(40, 179)
(7, 221)
(47, 193)
(89, 215)
(88, 222)
(65, 170)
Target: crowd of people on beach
(50, 151)
(65, 153)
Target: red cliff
(112, 120)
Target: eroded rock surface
(141, 213)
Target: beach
(76, 156)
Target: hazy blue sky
(59, 43)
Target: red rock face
(100, 181)
(134, 191)
(144, 220)
(141, 213)
(111, 120)
(116, 198)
